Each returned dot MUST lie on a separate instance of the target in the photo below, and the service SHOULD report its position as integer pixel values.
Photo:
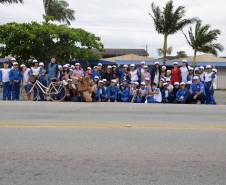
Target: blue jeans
(6, 91)
(16, 91)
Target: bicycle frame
(45, 89)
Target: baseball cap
(34, 61)
(176, 83)
(156, 63)
(182, 83)
(142, 83)
(208, 67)
(100, 64)
(195, 78)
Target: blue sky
(125, 23)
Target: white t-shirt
(5, 74)
(26, 76)
(158, 97)
(134, 76)
(184, 74)
(156, 79)
(36, 71)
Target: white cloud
(124, 23)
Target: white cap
(109, 67)
(175, 63)
(125, 65)
(72, 66)
(184, 61)
(214, 70)
(190, 68)
(147, 78)
(157, 63)
(34, 61)
(208, 67)
(189, 82)
(77, 64)
(104, 80)
(12, 59)
(100, 64)
(96, 77)
(114, 81)
(165, 83)
(168, 71)
(182, 83)
(143, 63)
(114, 66)
(65, 66)
(201, 67)
(132, 65)
(142, 83)
(15, 63)
(195, 78)
(60, 66)
(41, 64)
(197, 69)
(89, 68)
(176, 83)
(163, 67)
(136, 83)
(22, 65)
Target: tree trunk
(194, 59)
(165, 48)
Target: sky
(125, 23)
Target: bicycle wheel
(57, 92)
(33, 93)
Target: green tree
(203, 40)
(11, 1)
(168, 21)
(181, 54)
(43, 41)
(58, 10)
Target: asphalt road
(111, 144)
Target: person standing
(15, 79)
(155, 74)
(176, 73)
(209, 77)
(5, 81)
(184, 71)
(25, 80)
(52, 70)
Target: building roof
(107, 53)
(129, 57)
(204, 58)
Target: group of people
(124, 83)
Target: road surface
(112, 144)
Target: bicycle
(56, 91)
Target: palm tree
(169, 21)
(203, 40)
(59, 10)
(161, 51)
(11, 1)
